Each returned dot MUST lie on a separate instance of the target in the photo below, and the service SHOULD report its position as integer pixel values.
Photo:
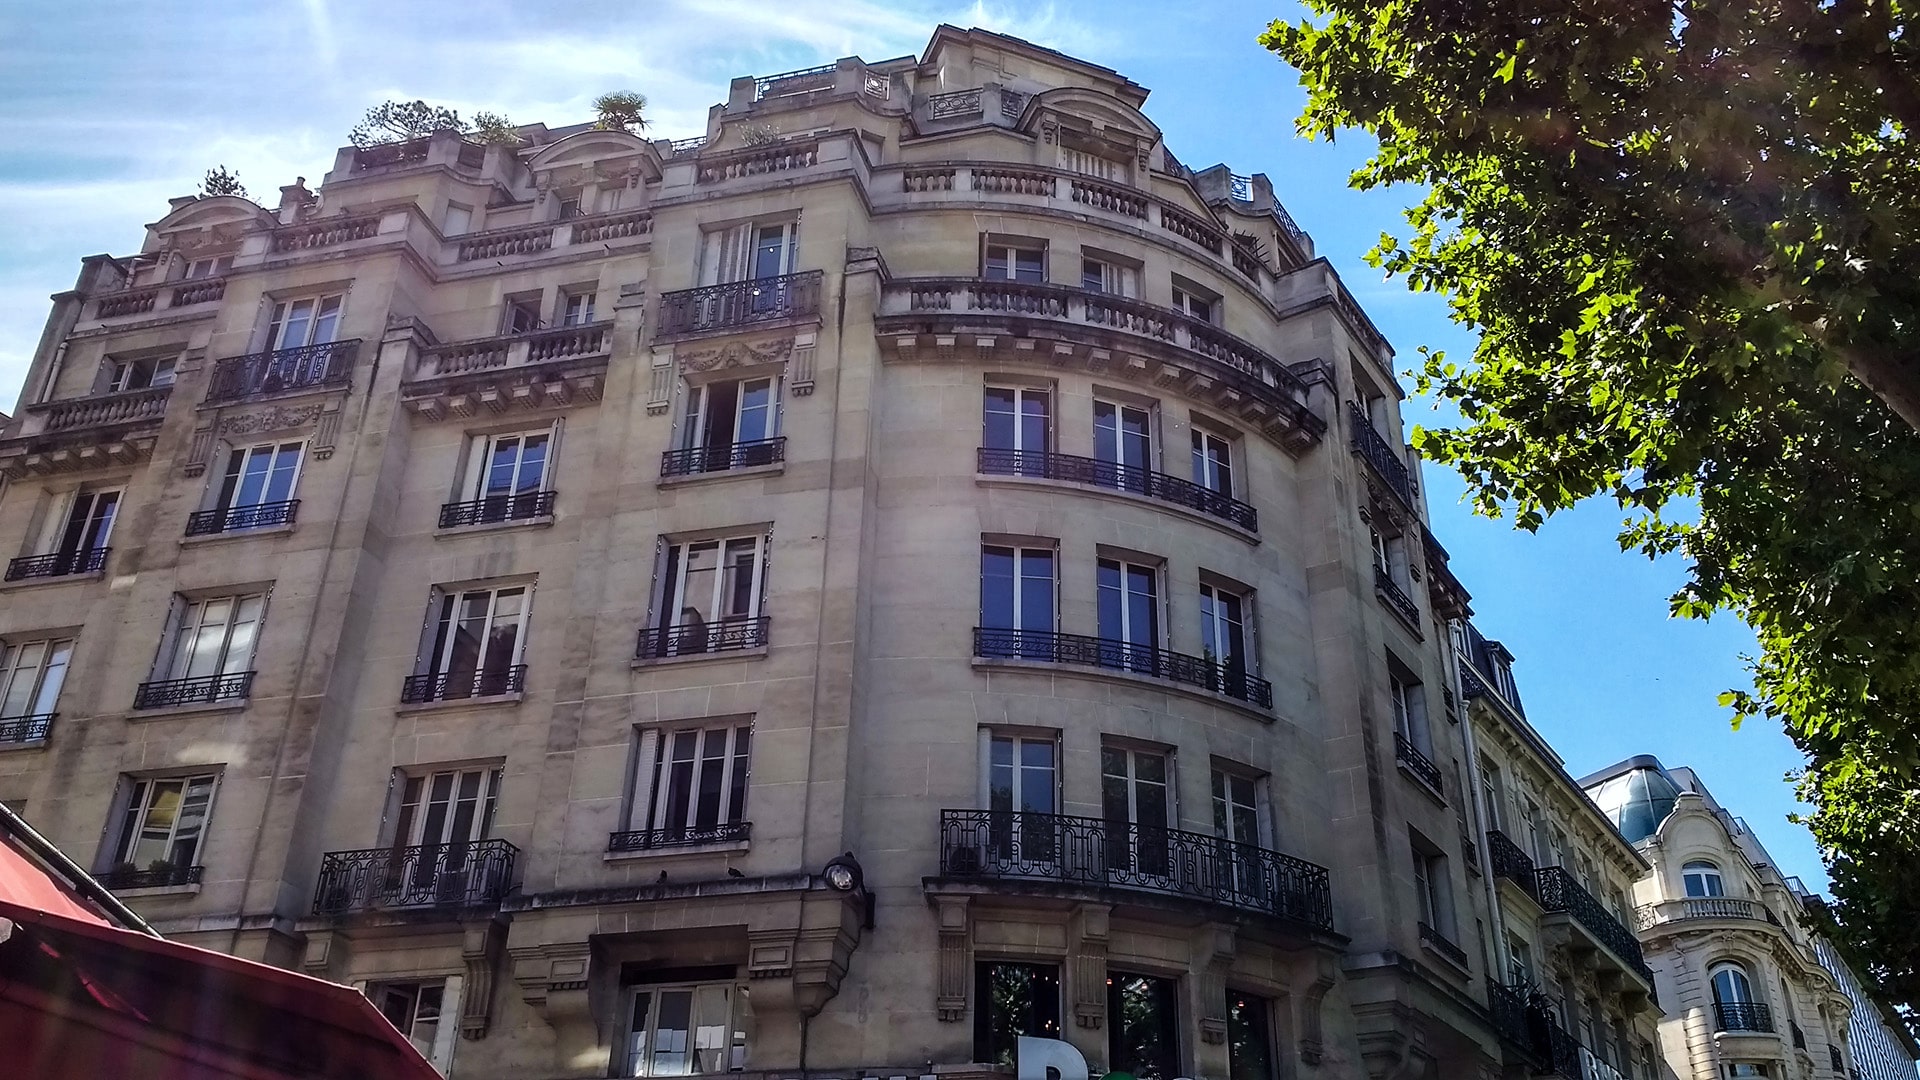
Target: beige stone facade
(916, 567)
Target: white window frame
(1121, 412)
(190, 618)
(696, 420)
(1021, 395)
(1409, 711)
(1021, 552)
(1192, 301)
(1492, 794)
(457, 220)
(637, 1050)
(1008, 253)
(731, 254)
(650, 802)
(32, 674)
(98, 524)
(136, 807)
(148, 371)
(212, 266)
(323, 310)
(1130, 777)
(1225, 801)
(576, 307)
(671, 603)
(415, 802)
(1432, 887)
(1710, 878)
(412, 995)
(1016, 742)
(226, 488)
(1725, 967)
(521, 315)
(1215, 627)
(1095, 166)
(1211, 471)
(479, 466)
(444, 610)
(1103, 275)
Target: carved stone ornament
(736, 354)
(272, 418)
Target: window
(413, 1008)
(713, 595)
(1430, 885)
(522, 315)
(1016, 430)
(750, 252)
(31, 673)
(1022, 795)
(1225, 631)
(1731, 985)
(1236, 811)
(1492, 793)
(1557, 852)
(1249, 1037)
(1016, 262)
(447, 808)
(80, 530)
(1409, 710)
(508, 471)
(214, 637)
(724, 415)
(1702, 879)
(1095, 165)
(457, 220)
(1129, 616)
(1530, 824)
(139, 374)
(211, 267)
(1385, 554)
(312, 320)
(1519, 962)
(569, 206)
(476, 642)
(258, 478)
(576, 309)
(684, 1029)
(1583, 871)
(692, 784)
(1109, 277)
(1213, 462)
(1137, 804)
(1017, 601)
(1740, 1070)
(1143, 1024)
(1011, 1000)
(1123, 441)
(163, 823)
(1191, 299)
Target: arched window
(1702, 879)
(1731, 985)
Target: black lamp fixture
(843, 874)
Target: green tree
(621, 110)
(219, 181)
(495, 129)
(398, 121)
(1676, 228)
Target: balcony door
(1129, 616)
(1213, 462)
(1023, 783)
(477, 639)
(1017, 602)
(714, 591)
(722, 415)
(507, 472)
(441, 815)
(258, 475)
(86, 528)
(1223, 637)
(1236, 820)
(311, 320)
(756, 252)
(1136, 798)
(1123, 442)
(1017, 429)
(216, 636)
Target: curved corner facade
(914, 568)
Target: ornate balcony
(158, 876)
(1417, 763)
(58, 564)
(460, 685)
(1443, 944)
(201, 690)
(712, 459)
(1560, 893)
(738, 304)
(1742, 1016)
(697, 639)
(1700, 907)
(474, 873)
(240, 518)
(1390, 466)
(1513, 1009)
(537, 370)
(996, 322)
(496, 509)
(654, 839)
(1023, 846)
(104, 410)
(31, 728)
(324, 233)
(1107, 474)
(1396, 599)
(309, 367)
(1077, 649)
(1511, 863)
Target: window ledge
(756, 653)
(1008, 663)
(62, 579)
(158, 890)
(478, 701)
(226, 706)
(1222, 524)
(539, 522)
(1420, 783)
(1452, 963)
(1412, 625)
(28, 744)
(717, 848)
(717, 475)
(237, 534)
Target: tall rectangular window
(450, 806)
(1236, 808)
(1143, 1025)
(31, 674)
(1493, 794)
(1249, 1037)
(521, 315)
(1017, 590)
(1012, 1000)
(163, 823)
(684, 1029)
(83, 530)
(1129, 616)
(1022, 793)
(576, 308)
(309, 320)
(750, 252)
(1136, 797)
(1104, 275)
(1430, 885)
(1123, 442)
(1519, 962)
(1007, 261)
(1016, 430)
(257, 476)
(139, 374)
(731, 420)
(1409, 711)
(457, 221)
(693, 784)
(1226, 638)
(712, 595)
(413, 1008)
(1213, 462)
(477, 640)
(214, 636)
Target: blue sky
(109, 109)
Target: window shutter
(387, 806)
(169, 633)
(58, 507)
(473, 479)
(423, 659)
(656, 610)
(547, 480)
(640, 792)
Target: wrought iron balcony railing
(1396, 598)
(1559, 892)
(1153, 485)
(471, 873)
(1083, 651)
(58, 564)
(1375, 451)
(650, 839)
(460, 685)
(740, 303)
(693, 639)
(712, 459)
(158, 876)
(1835, 1060)
(1509, 1006)
(1019, 845)
(1742, 1016)
(1511, 863)
(494, 509)
(237, 518)
(200, 690)
(1799, 1037)
(1443, 944)
(307, 367)
(31, 727)
(1417, 763)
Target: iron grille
(1559, 892)
(1742, 1016)
(1108, 854)
(795, 82)
(1799, 1037)
(996, 461)
(1078, 649)
(1396, 598)
(1834, 1059)
(25, 729)
(58, 564)
(497, 508)
(1381, 457)
(1417, 763)
(692, 639)
(460, 685)
(201, 690)
(708, 459)
(649, 839)
(1510, 862)
(1443, 944)
(469, 873)
(153, 877)
(329, 364)
(740, 303)
(236, 518)
(1509, 1007)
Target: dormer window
(569, 206)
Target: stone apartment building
(913, 568)
(1750, 992)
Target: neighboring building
(1573, 991)
(1747, 988)
(1880, 1045)
(914, 568)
